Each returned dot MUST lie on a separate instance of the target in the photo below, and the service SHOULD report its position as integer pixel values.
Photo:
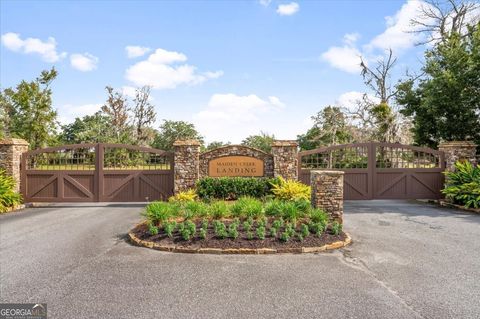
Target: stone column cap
(321, 172)
(186, 143)
(13, 141)
(285, 143)
(457, 144)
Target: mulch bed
(211, 241)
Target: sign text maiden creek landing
(236, 166)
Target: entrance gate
(379, 170)
(97, 173)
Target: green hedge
(234, 187)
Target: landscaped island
(239, 215)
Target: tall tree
(439, 19)
(445, 103)
(382, 115)
(143, 116)
(116, 108)
(27, 110)
(170, 131)
(88, 129)
(262, 141)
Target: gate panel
(379, 170)
(96, 172)
(57, 174)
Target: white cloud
(346, 57)
(288, 9)
(136, 51)
(47, 50)
(162, 70)
(83, 62)
(68, 112)
(398, 35)
(265, 3)
(240, 116)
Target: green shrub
(249, 235)
(261, 232)
(219, 209)
(169, 228)
(304, 230)
(285, 236)
(273, 232)
(152, 229)
(247, 207)
(195, 209)
(318, 216)
(273, 207)
(203, 233)
(233, 230)
(159, 212)
(234, 187)
(336, 228)
(277, 223)
(220, 229)
(290, 190)
(291, 212)
(463, 185)
(316, 228)
(8, 197)
(247, 226)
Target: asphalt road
(408, 260)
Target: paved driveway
(409, 260)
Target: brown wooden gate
(379, 170)
(97, 173)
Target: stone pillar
(186, 164)
(458, 151)
(327, 193)
(285, 159)
(11, 150)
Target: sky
(233, 68)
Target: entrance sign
(242, 166)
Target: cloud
(136, 51)
(47, 50)
(238, 115)
(349, 100)
(288, 9)
(165, 70)
(83, 62)
(346, 57)
(265, 3)
(398, 34)
(68, 112)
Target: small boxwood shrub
(232, 188)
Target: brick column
(11, 150)
(327, 193)
(457, 151)
(285, 160)
(186, 164)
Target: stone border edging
(244, 251)
(450, 205)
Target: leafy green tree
(215, 144)
(27, 111)
(170, 131)
(445, 103)
(88, 129)
(330, 128)
(262, 141)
